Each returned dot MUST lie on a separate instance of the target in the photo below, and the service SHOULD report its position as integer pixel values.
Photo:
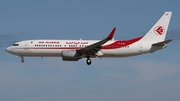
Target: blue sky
(149, 77)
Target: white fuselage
(54, 48)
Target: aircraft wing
(94, 48)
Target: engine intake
(70, 55)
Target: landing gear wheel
(22, 60)
(88, 61)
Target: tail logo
(159, 30)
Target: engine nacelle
(70, 55)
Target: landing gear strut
(22, 59)
(88, 61)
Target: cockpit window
(15, 44)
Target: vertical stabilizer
(158, 32)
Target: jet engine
(70, 55)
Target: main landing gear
(88, 61)
(22, 59)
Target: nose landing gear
(22, 59)
(88, 61)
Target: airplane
(73, 50)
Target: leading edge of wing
(94, 48)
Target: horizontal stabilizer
(162, 43)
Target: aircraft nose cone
(8, 49)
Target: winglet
(111, 34)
